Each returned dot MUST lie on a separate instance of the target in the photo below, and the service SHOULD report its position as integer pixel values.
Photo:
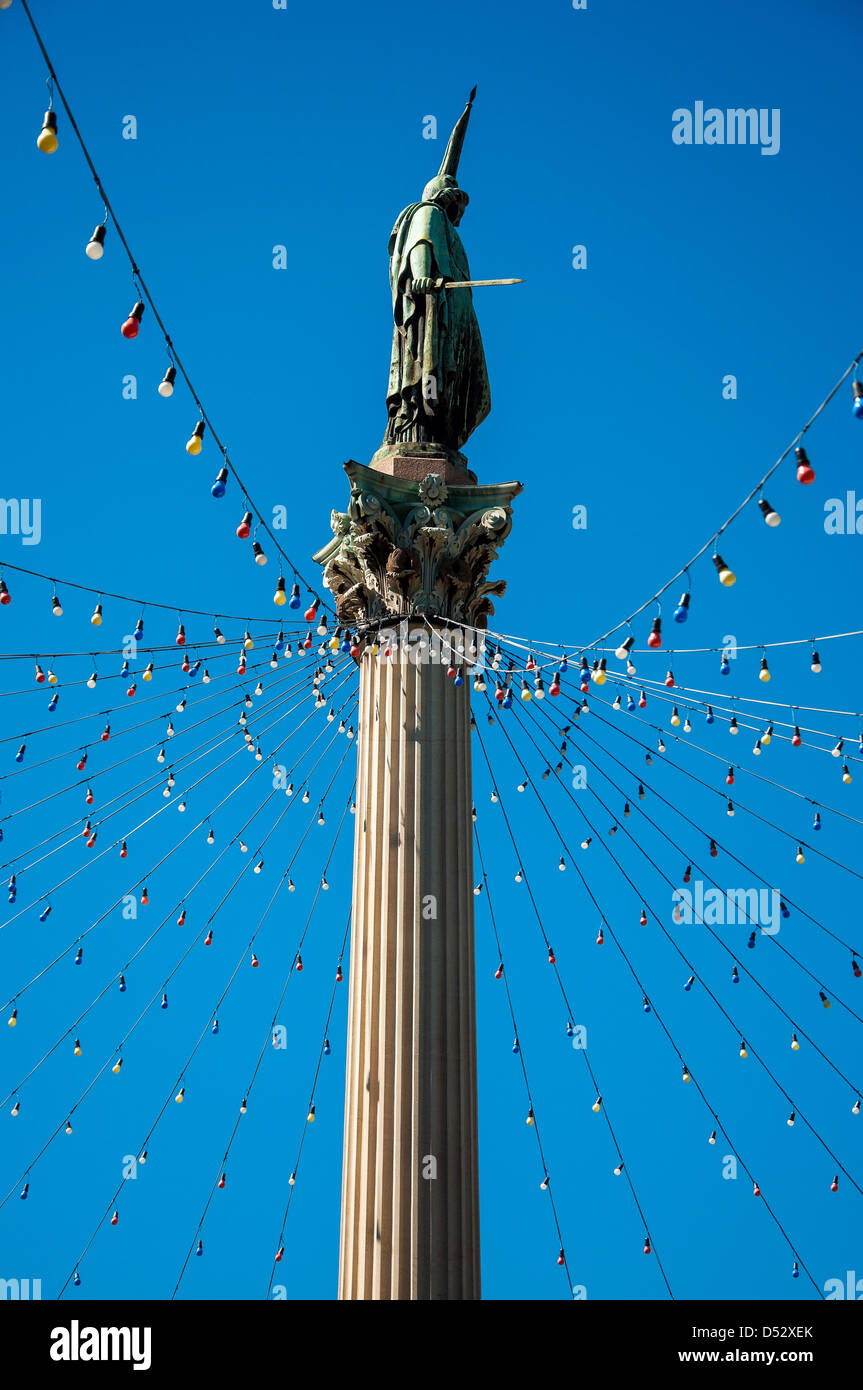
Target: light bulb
(194, 444)
(260, 557)
(96, 245)
(655, 638)
(726, 576)
(624, 649)
(764, 674)
(681, 612)
(47, 137)
(96, 621)
(280, 597)
(166, 385)
(857, 398)
(805, 471)
(770, 516)
(130, 328)
(220, 485)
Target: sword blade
(472, 284)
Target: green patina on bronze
(438, 387)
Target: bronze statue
(438, 388)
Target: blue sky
(258, 128)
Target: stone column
(410, 1190)
(413, 552)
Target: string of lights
(697, 914)
(206, 820)
(532, 1116)
(649, 1007)
(131, 327)
(210, 1027)
(295, 959)
(129, 834)
(324, 1051)
(745, 1049)
(570, 1012)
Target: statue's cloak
(438, 387)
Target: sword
(471, 284)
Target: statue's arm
(423, 280)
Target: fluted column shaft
(410, 1188)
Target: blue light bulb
(507, 700)
(689, 983)
(294, 601)
(783, 908)
(710, 715)
(564, 666)
(645, 1004)
(122, 984)
(857, 407)
(735, 978)
(19, 756)
(816, 824)
(53, 703)
(220, 485)
(681, 612)
(458, 680)
(795, 1272)
(76, 1279)
(725, 666)
(215, 1027)
(164, 1003)
(280, 642)
(630, 704)
(199, 1249)
(327, 1048)
(515, 1045)
(570, 1031)
(138, 634)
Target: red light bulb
(244, 530)
(805, 471)
(655, 638)
(133, 322)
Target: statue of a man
(438, 388)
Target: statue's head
(445, 192)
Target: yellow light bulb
(596, 1106)
(13, 1019)
(800, 857)
(764, 674)
(117, 1065)
(193, 445)
(52, 679)
(795, 1046)
(280, 597)
(248, 643)
(180, 1094)
(525, 695)
(846, 777)
(600, 677)
(727, 577)
(78, 1050)
(675, 719)
(47, 137)
(743, 1053)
